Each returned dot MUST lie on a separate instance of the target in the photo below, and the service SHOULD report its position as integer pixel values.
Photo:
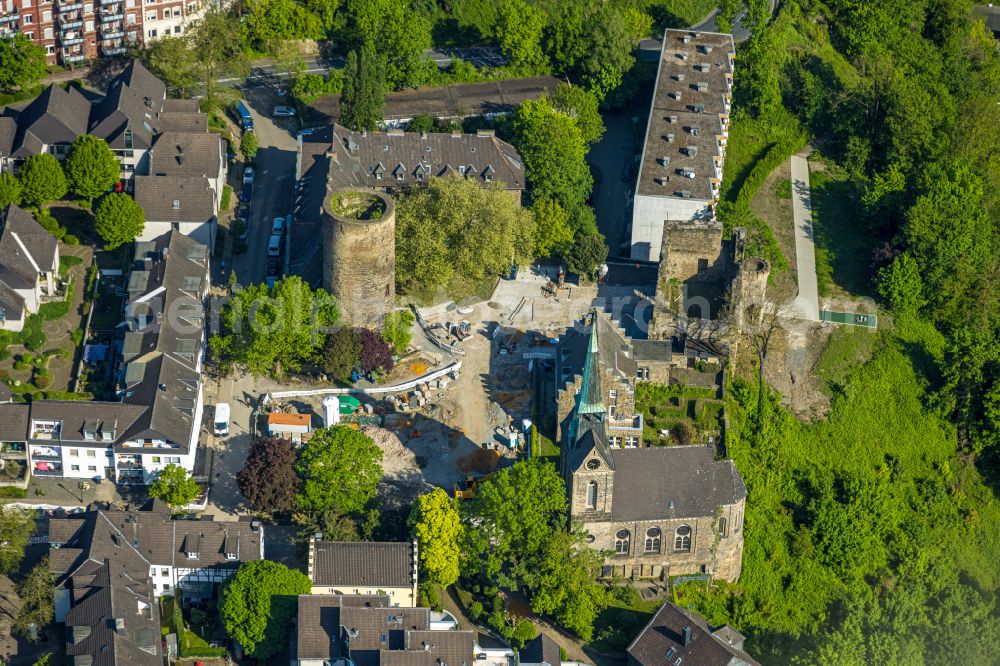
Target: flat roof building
(681, 169)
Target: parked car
(248, 175)
(283, 111)
(221, 422)
(274, 245)
(246, 193)
(278, 227)
(272, 268)
(270, 281)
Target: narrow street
(807, 302)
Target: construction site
(458, 406)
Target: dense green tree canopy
(268, 331)
(42, 180)
(10, 190)
(37, 592)
(397, 330)
(455, 227)
(362, 99)
(118, 219)
(23, 62)
(340, 470)
(16, 526)
(397, 34)
(438, 528)
(519, 32)
(91, 168)
(258, 604)
(175, 486)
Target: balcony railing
(70, 21)
(74, 57)
(113, 33)
(64, 7)
(6, 18)
(125, 464)
(114, 50)
(71, 40)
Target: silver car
(283, 111)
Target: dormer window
(90, 428)
(230, 556)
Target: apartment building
(680, 173)
(74, 33)
(155, 422)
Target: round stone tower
(359, 258)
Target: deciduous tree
(581, 105)
(175, 486)
(587, 253)
(119, 219)
(519, 32)
(16, 526)
(91, 168)
(563, 583)
(218, 50)
(375, 353)
(268, 480)
(340, 470)
(396, 330)
(248, 145)
(438, 528)
(341, 353)
(258, 604)
(455, 226)
(172, 59)
(37, 600)
(10, 190)
(552, 231)
(363, 97)
(42, 180)
(23, 62)
(901, 286)
(268, 331)
(395, 31)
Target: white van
(221, 424)
(274, 246)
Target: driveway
(806, 304)
(229, 453)
(272, 190)
(608, 159)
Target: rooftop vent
(678, 77)
(669, 138)
(676, 94)
(705, 48)
(682, 56)
(671, 119)
(664, 161)
(661, 181)
(693, 130)
(684, 194)
(691, 151)
(701, 86)
(686, 173)
(699, 108)
(685, 38)
(176, 204)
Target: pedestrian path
(806, 304)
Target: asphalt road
(272, 190)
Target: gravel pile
(388, 441)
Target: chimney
(685, 635)
(176, 204)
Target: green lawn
(678, 13)
(848, 348)
(843, 243)
(668, 407)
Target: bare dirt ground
(791, 368)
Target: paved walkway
(806, 304)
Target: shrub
(4, 354)
(70, 239)
(24, 362)
(227, 194)
(77, 336)
(464, 597)
(7, 491)
(523, 632)
(43, 378)
(475, 611)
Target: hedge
(11, 491)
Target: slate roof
(55, 116)
(410, 158)
(13, 422)
(186, 153)
(331, 626)
(357, 564)
(183, 121)
(661, 643)
(113, 620)
(175, 199)
(8, 134)
(144, 83)
(26, 249)
(125, 109)
(12, 302)
(138, 539)
(652, 350)
(648, 479)
(540, 650)
(114, 416)
(693, 89)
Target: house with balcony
(186, 204)
(156, 420)
(198, 154)
(680, 172)
(14, 460)
(187, 558)
(29, 266)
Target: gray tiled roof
(175, 198)
(12, 302)
(113, 619)
(649, 479)
(663, 636)
(74, 413)
(448, 648)
(25, 247)
(125, 109)
(186, 153)
(8, 134)
(13, 422)
(540, 650)
(144, 83)
(183, 121)
(55, 116)
(141, 538)
(408, 158)
(357, 564)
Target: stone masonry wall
(692, 251)
(359, 263)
